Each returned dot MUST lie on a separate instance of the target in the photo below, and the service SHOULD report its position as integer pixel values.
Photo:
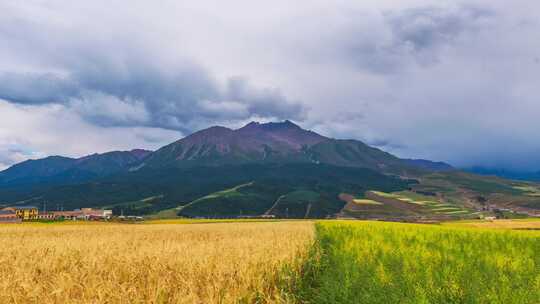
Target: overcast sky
(457, 81)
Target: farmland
(404, 205)
(373, 262)
(260, 261)
(166, 263)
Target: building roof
(2, 212)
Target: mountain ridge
(273, 142)
(60, 169)
(283, 142)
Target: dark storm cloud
(264, 102)
(115, 76)
(35, 89)
(138, 93)
(413, 36)
(427, 27)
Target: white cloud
(38, 131)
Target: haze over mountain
(507, 173)
(430, 165)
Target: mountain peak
(253, 142)
(208, 133)
(255, 125)
(251, 124)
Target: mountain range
(59, 169)
(269, 143)
(261, 168)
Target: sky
(455, 81)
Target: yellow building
(24, 212)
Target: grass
(374, 262)
(366, 202)
(166, 214)
(116, 263)
(303, 195)
(384, 194)
(247, 199)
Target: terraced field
(529, 190)
(404, 204)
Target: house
(93, 214)
(24, 212)
(84, 214)
(8, 216)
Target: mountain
(275, 169)
(36, 170)
(58, 169)
(269, 143)
(265, 143)
(255, 142)
(110, 162)
(429, 165)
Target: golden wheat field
(119, 263)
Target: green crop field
(375, 262)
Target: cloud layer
(446, 80)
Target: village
(17, 214)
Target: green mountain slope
(175, 187)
